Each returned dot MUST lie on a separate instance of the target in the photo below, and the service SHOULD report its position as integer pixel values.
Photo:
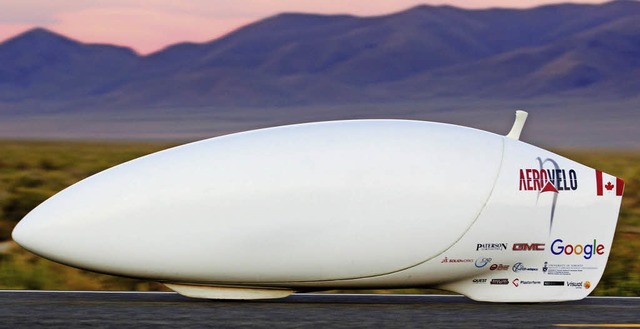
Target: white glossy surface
(517, 216)
(347, 204)
(324, 201)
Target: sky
(150, 25)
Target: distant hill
(424, 55)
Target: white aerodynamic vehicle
(341, 205)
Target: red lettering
(536, 180)
(600, 249)
(528, 246)
(529, 187)
(568, 249)
(523, 186)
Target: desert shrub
(23, 200)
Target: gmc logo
(528, 246)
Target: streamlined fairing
(341, 205)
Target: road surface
(20, 309)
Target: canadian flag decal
(607, 184)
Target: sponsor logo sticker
(519, 267)
(500, 281)
(499, 267)
(548, 180)
(518, 283)
(528, 247)
(554, 283)
(456, 260)
(579, 284)
(574, 284)
(482, 262)
(491, 246)
(587, 250)
(565, 269)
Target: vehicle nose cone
(69, 227)
(21, 234)
(42, 233)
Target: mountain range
(441, 58)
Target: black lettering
(573, 179)
(564, 180)
(558, 180)
(552, 176)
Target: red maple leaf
(609, 186)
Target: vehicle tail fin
(558, 218)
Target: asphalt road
(27, 309)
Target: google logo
(557, 248)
